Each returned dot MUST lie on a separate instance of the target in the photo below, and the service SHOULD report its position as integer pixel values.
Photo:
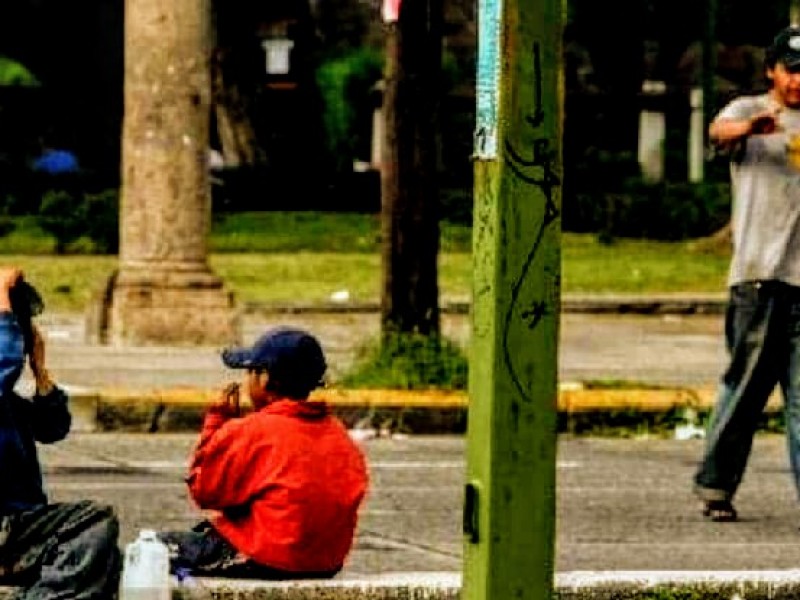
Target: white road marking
(442, 464)
(446, 464)
(115, 485)
(168, 465)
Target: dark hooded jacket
(23, 422)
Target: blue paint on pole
(488, 78)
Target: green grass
(300, 277)
(295, 232)
(305, 257)
(311, 277)
(26, 238)
(313, 232)
(66, 282)
(639, 267)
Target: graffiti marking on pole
(537, 170)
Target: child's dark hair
(26, 303)
(291, 387)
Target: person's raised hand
(764, 123)
(227, 403)
(9, 276)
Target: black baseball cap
(26, 301)
(786, 47)
(292, 357)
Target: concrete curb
(604, 585)
(683, 304)
(660, 304)
(392, 411)
(664, 585)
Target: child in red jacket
(285, 482)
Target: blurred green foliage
(80, 222)
(607, 195)
(409, 362)
(346, 86)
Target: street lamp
(277, 51)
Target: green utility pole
(509, 507)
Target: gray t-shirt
(765, 181)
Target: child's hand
(228, 402)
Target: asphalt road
(623, 504)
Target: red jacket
(288, 481)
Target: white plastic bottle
(145, 571)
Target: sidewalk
(618, 356)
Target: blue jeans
(205, 553)
(762, 334)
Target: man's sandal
(719, 511)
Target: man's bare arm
(725, 132)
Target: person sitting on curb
(58, 550)
(284, 483)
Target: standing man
(51, 551)
(762, 327)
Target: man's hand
(36, 360)
(764, 123)
(9, 276)
(228, 402)
(725, 133)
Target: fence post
(697, 136)
(652, 130)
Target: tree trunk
(235, 62)
(410, 210)
(231, 109)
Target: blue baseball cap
(291, 356)
(785, 48)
